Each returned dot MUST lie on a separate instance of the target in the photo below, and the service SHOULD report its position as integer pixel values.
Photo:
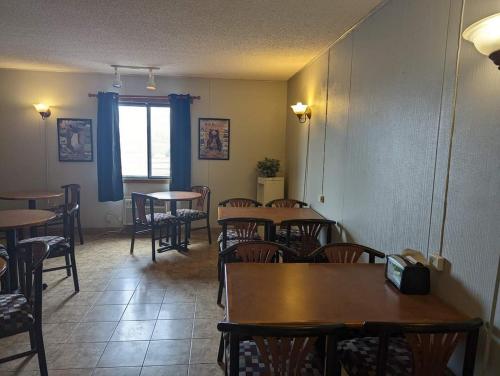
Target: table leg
(11, 250)
(32, 206)
(173, 210)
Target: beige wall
(391, 120)
(256, 109)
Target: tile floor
(131, 317)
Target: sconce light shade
(485, 34)
(302, 111)
(151, 85)
(43, 109)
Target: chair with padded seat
(62, 246)
(407, 349)
(345, 253)
(71, 198)
(21, 312)
(200, 211)
(146, 220)
(278, 350)
(286, 203)
(308, 236)
(236, 203)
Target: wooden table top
(277, 215)
(19, 218)
(324, 293)
(34, 195)
(175, 196)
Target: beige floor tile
(205, 370)
(141, 312)
(123, 284)
(204, 350)
(168, 352)
(177, 370)
(124, 354)
(118, 371)
(71, 372)
(142, 296)
(177, 311)
(105, 313)
(114, 297)
(173, 329)
(133, 331)
(79, 355)
(205, 328)
(93, 332)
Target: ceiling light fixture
(485, 34)
(302, 111)
(151, 80)
(117, 82)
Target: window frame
(148, 137)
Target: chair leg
(68, 265)
(75, 273)
(32, 339)
(220, 354)
(40, 349)
(153, 245)
(132, 242)
(79, 225)
(187, 232)
(209, 233)
(219, 293)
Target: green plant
(268, 167)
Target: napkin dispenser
(408, 275)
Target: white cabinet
(269, 189)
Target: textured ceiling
(249, 39)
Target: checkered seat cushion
(58, 210)
(15, 314)
(161, 217)
(281, 234)
(359, 356)
(233, 234)
(251, 364)
(191, 214)
(51, 241)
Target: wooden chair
(278, 350)
(71, 198)
(62, 246)
(344, 253)
(201, 210)
(237, 203)
(307, 238)
(409, 349)
(146, 220)
(286, 203)
(255, 251)
(22, 312)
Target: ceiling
(247, 39)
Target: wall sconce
(485, 34)
(43, 110)
(302, 111)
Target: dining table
(173, 197)
(31, 196)
(11, 221)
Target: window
(145, 140)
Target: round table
(31, 197)
(173, 197)
(13, 220)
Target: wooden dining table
(173, 197)
(277, 215)
(31, 196)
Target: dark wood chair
(146, 220)
(62, 246)
(200, 211)
(344, 253)
(22, 312)
(409, 349)
(255, 251)
(71, 198)
(237, 203)
(286, 203)
(304, 235)
(278, 350)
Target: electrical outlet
(437, 262)
(321, 199)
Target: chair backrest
(309, 231)
(286, 203)
(257, 251)
(432, 344)
(199, 203)
(344, 253)
(69, 214)
(141, 205)
(71, 194)
(245, 228)
(283, 349)
(240, 202)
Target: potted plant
(268, 168)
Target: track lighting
(151, 81)
(117, 82)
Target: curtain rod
(141, 97)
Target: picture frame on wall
(74, 138)
(213, 138)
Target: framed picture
(75, 140)
(213, 138)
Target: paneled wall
(28, 146)
(409, 154)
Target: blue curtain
(180, 142)
(109, 165)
